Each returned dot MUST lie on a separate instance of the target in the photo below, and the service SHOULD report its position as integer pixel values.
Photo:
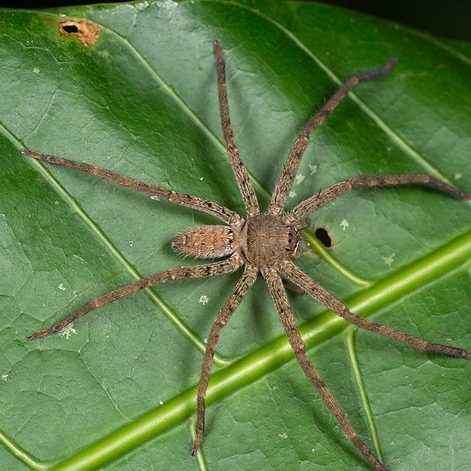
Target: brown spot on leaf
(85, 31)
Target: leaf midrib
(273, 355)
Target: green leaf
(120, 391)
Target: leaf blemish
(67, 331)
(85, 31)
(389, 260)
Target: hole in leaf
(70, 29)
(85, 31)
(324, 237)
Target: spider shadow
(204, 320)
(320, 417)
(260, 300)
(248, 321)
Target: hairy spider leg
(290, 168)
(180, 273)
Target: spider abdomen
(205, 242)
(267, 240)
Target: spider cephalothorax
(263, 243)
(267, 240)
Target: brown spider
(262, 242)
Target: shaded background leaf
(143, 102)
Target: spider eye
(292, 241)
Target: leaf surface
(119, 391)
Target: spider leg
(198, 271)
(309, 205)
(240, 172)
(288, 321)
(238, 294)
(285, 182)
(319, 293)
(182, 199)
